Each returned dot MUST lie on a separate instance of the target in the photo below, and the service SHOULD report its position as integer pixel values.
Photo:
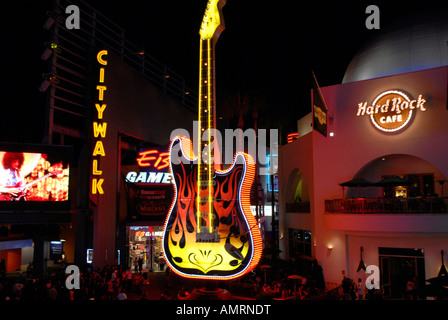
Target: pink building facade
(379, 128)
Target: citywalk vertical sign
(99, 128)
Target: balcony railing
(387, 205)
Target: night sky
(266, 52)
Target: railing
(387, 205)
(97, 30)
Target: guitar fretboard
(206, 101)
(207, 123)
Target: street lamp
(48, 79)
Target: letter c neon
(100, 55)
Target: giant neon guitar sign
(210, 232)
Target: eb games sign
(391, 110)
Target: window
(299, 242)
(420, 185)
(398, 266)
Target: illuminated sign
(33, 176)
(159, 160)
(149, 177)
(210, 232)
(99, 128)
(148, 233)
(155, 164)
(391, 110)
(292, 136)
(150, 189)
(56, 250)
(146, 198)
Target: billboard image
(33, 175)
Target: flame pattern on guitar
(238, 247)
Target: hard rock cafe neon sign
(391, 110)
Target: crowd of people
(117, 283)
(109, 283)
(281, 284)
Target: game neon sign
(158, 162)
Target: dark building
(106, 100)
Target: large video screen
(34, 177)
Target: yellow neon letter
(101, 90)
(99, 57)
(99, 128)
(99, 149)
(101, 75)
(97, 186)
(95, 170)
(100, 109)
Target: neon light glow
(149, 177)
(156, 161)
(205, 163)
(159, 160)
(210, 232)
(292, 136)
(211, 21)
(99, 128)
(239, 246)
(99, 57)
(391, 110)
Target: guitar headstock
(213, 22)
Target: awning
(393, 181)
(15, 244)
(357, 182)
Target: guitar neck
(207, 110)
(37, 180)
(207, 122)
(207, 100)
(211, 27)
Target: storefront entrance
(399, 266)
(145, 248)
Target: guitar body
(234, 248)
(17, 197)
(24, 188)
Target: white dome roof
(414, 44)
